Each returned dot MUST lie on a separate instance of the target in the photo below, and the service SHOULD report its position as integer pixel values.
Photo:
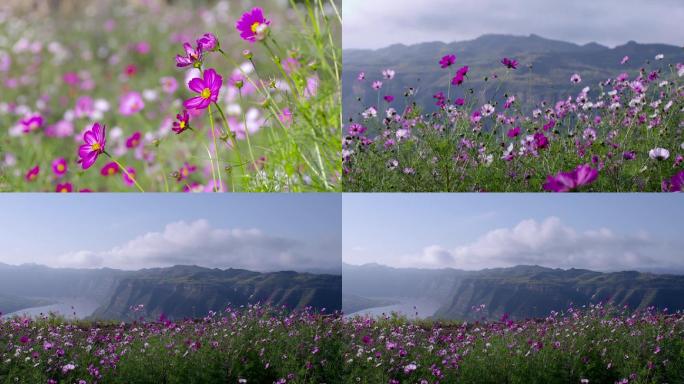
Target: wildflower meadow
(171, 96)
(624, 134)
(254, 344)
(594, 344)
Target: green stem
(216, 153)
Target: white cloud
(199, 243)
(553, 244)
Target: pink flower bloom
(208, 88)
(361, 76)
(253, 26)
(674, 184)
(389, 98)
(376, 85)
(513, 132)
(192, 57)
(286, 117)
(110, 169)
(185, 171)
(624, 60)
(130, 70)
(131, 103)
(134, 140)
(94, 145)
(540, 140)
(32, 173)
(447, 61)
(32, 123)
(568, 181)
(64, 188)
(208, 43)
(169, 84)
(183, 122)
(509, 63)
(59, 167)
(576, 79)
(129, 177)
(460, 75)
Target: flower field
(192, 96)
(256, 344)
(623, 134)
(596, 344)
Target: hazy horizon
(263, 233)
(609, 23)
(596, 232)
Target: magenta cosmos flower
(193, 56)
(208, 89)
(32, 123)
(460, 75)
(183, 122)
(129, 176)
(110, 169)
(567, 181)
(447, 61)
(59, 167)
(94, 145)
(32, 173)
(509, 63)
(208, 43)
(253, 26)
(64, 188)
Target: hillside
(544, 72)
(521, 291)
(190, 291)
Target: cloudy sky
(263, 232)
(379, 23)
(605, 232)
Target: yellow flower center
(206, 92)
(255, 26)
(60, 167)
(64, 190)
(110, 171)
(95, 147)
(182, 125)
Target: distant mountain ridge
(520, 292)
(552, 63)
(177, 292)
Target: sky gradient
(261, 232)
(379, 23)
(604, 232)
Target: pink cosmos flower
(361, 76)
(674, 184)
(568, 181)
(129, 176)
(286, 117)
(253, 26)
(32, 123)
(32, 173)
(193, 56)
(624, 60)
(576, 79)
(509, 63)
(208, 87)
(513, 132)
(59, 167)
(389, 98)
(169, 84)
(208, 43)
(447, 61)
(185, 171)
(94, 145)
(460, 75)
(110, 169)
(131, 103)
(376, 85)
(183, 122)
(64, 188)
(134, 140)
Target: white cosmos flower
(659, 56)
(659, 154)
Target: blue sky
(379, 23)
(598, 231)
(92, 230)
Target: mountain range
(177, 292)
(521, 292)
(543, 73)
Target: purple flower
(94, 145)
(674, 184)
(460, 75)
(447, 61)
(207, 43)
(208, 88)
(183, 122)
(253, 26)
(131, 103)
(513, 132)
(193, 56)
(509, 63)
(389, 98)
(567, 181)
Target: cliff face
(179, 292)
(520, 292)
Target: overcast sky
(262, 232)
(604, 232)
(379, 23)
